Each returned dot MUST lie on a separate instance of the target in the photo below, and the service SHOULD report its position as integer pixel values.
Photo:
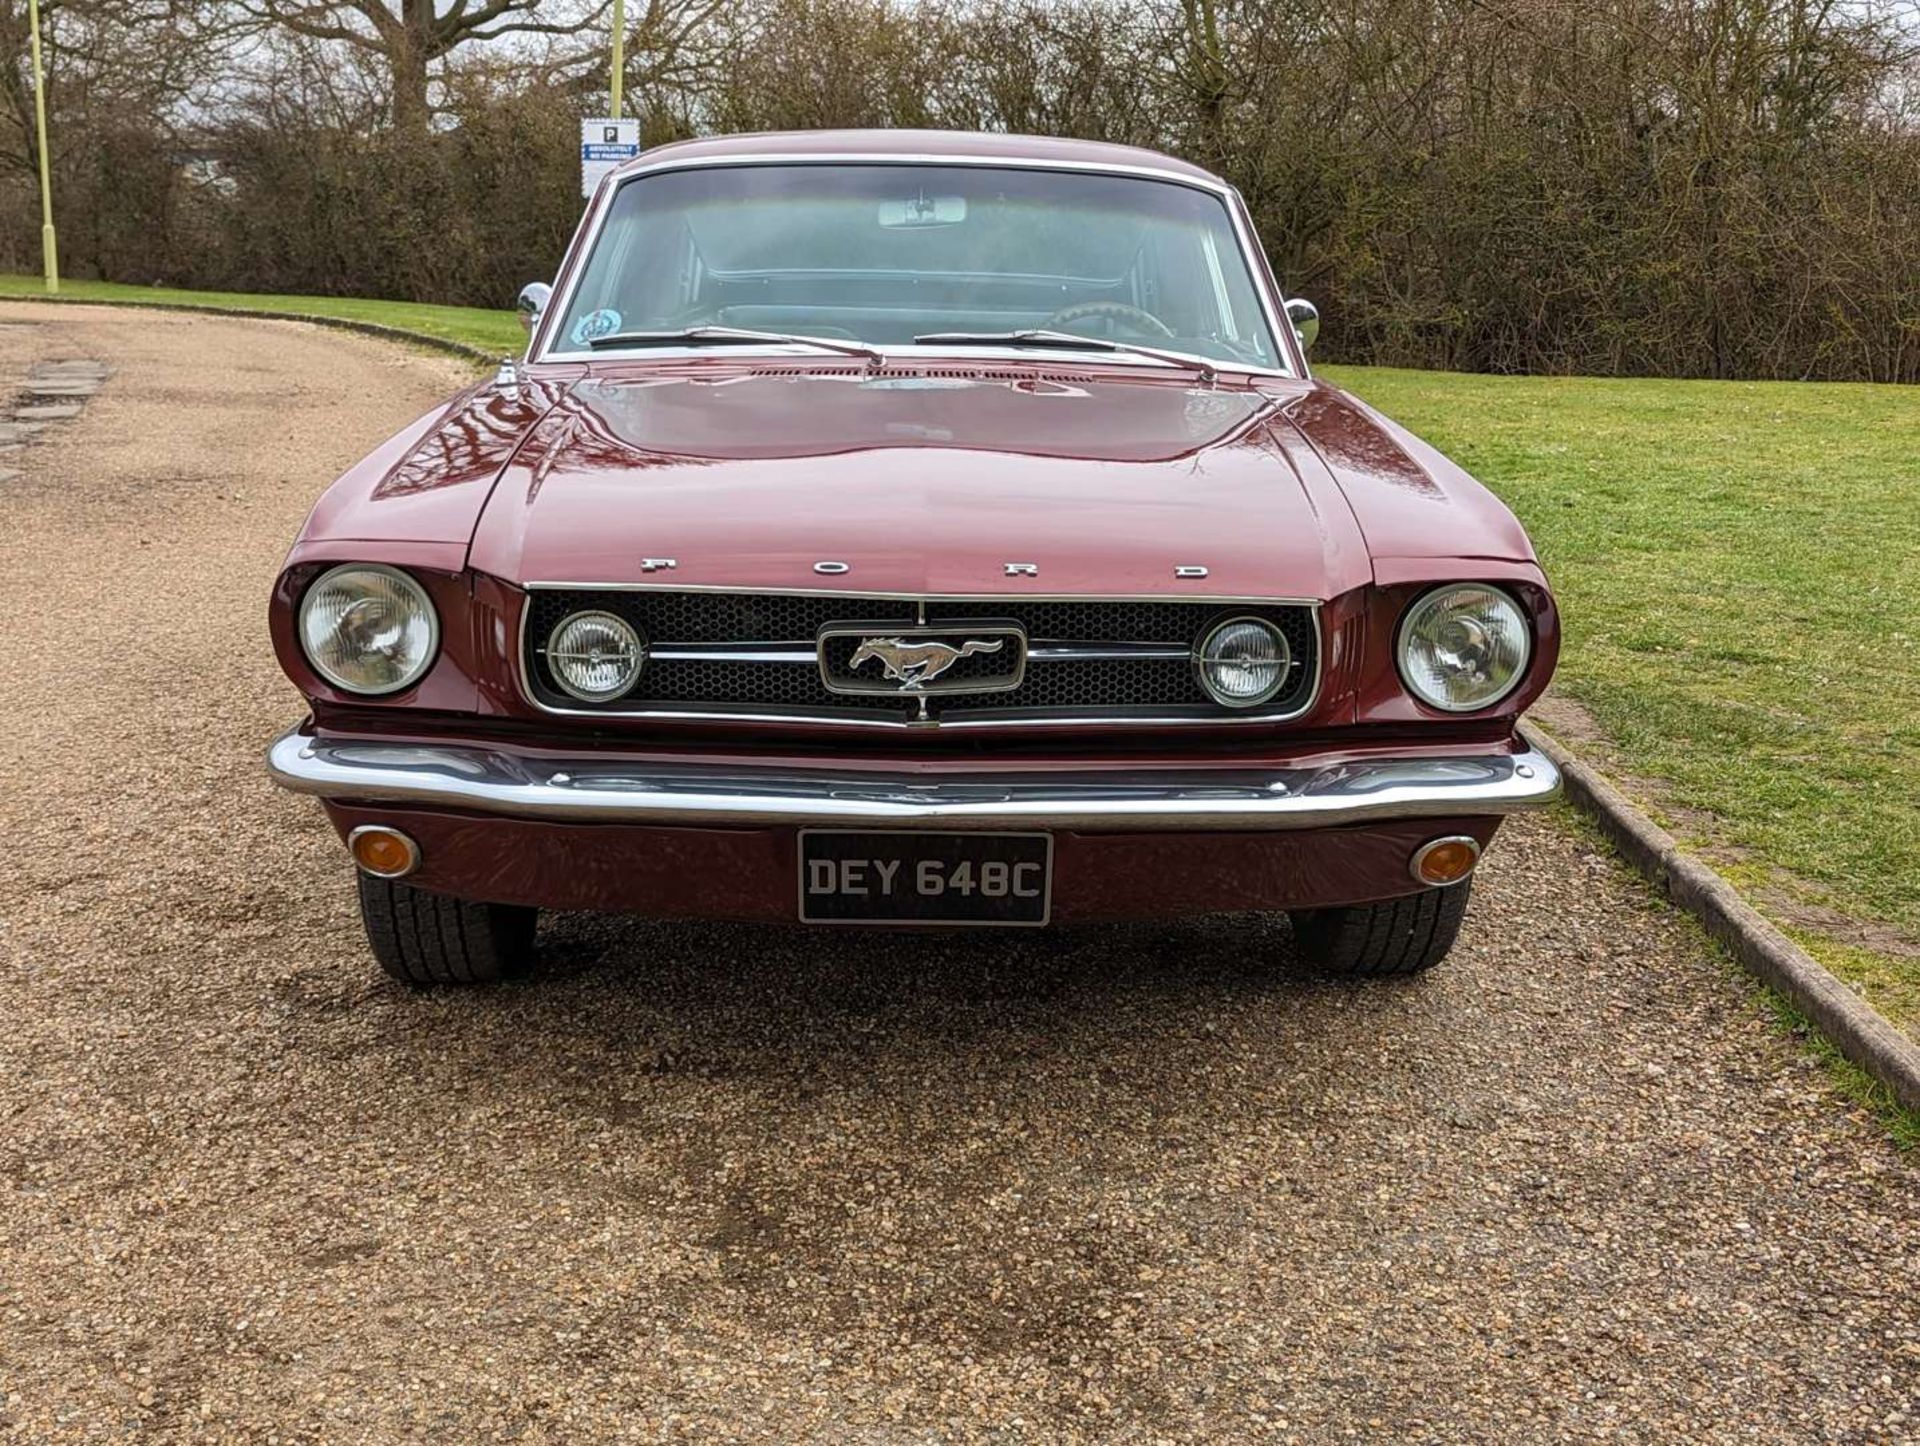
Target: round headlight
(1464, 647)
(1243, 662)
(595, 657)
(368, 629)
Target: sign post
(605, 142)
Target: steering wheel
(1146, 321)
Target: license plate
(984, 879)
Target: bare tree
(407, 37)
(133, 59)
(1681, 187)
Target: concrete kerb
(1852, 1025)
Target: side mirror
(534, 297)
(1305, 317)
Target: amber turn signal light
(386, 853)
(1444, 861)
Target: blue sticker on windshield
(594, 324)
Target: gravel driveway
(720, 1183)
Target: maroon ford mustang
(912, 529)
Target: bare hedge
(1676, 187)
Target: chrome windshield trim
(587, 236)
(593, 788)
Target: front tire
(424, 939)
(1398, 936)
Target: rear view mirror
(924, 210)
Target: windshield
(886, 253)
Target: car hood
(925, 483)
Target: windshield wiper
(729, 336)
(1039, 336)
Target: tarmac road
(719, 1183)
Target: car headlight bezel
(614, 623)
(1513, 650)
(1205, 661)
(405, 586)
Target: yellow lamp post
(48, 249)
(619, 55)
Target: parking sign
(604, 143)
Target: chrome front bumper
(589, 790)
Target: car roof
(1031, 150)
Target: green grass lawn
(1738, 564)
(497, 332)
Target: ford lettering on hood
(917, 483)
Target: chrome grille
(1088, 659)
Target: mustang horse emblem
(911, 664)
